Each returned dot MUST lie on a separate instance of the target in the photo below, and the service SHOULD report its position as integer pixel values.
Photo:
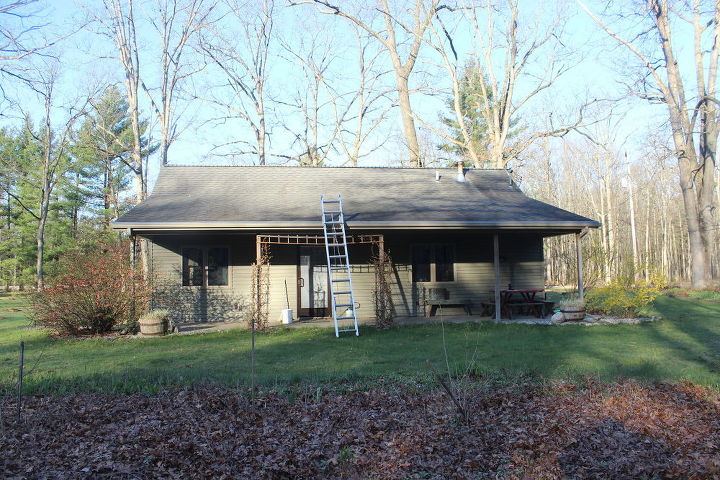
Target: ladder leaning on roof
(341, 291)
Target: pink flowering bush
(94, 292)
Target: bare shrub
(96, 290)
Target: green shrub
(625, 297)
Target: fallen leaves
(624, 430)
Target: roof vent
(437, 175)
(460, 172)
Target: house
(467, 231)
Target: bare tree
(313, 100)
(366, 108)
(243, 60)
(13, 41)
(693, 120)
(54, 143)
(394, 27)
(118, 24)
(177, 22)
(506, 50)
(337, 115)
(21, 37)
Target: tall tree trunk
(408, 122)
(696, 244)
(40, 241)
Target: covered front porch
(488, 279)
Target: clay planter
(573, 313)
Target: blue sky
(85, 58)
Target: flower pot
(153, 326)
(573, 313)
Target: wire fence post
(21, 367)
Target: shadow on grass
(684, 346)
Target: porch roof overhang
(552, 228)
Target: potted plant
(572, 308)
(155, 322)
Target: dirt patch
(561, 431)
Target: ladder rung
(338, 267)
(341, 280)
(332, 221)
(343, 293)
(337, 256)
(338, 305)
(334, 233)
(346, 318)
(332, 212)
(331, 201)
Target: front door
(313, 291)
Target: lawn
(685, 345)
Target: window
(205, 266)
(421, 263)
(217, 271)
(444, 263)
(192, 267)
(433, 263)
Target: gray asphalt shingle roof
(256, 197)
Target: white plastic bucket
(287, 316)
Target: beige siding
(521, 264)
(193, 304)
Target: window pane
(444, 263)
(421, 263)
(192, 267)
(218, 266)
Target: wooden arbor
(262, 258)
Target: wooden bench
(541, 308)
(435, 304)
(535, 307)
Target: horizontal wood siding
(521, 257)
(195, 304)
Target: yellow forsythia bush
(626, 297)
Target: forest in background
(94, 104)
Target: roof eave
(389, 225)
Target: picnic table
(522, 299)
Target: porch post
(258, 266)
(133, 248)
(578, 246)
(381, 248)
(133, 261)
(496, 264)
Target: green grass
(686, 345)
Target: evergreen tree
(103, 148)
(474, 90)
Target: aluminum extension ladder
(341, 291)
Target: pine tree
(103, 148)
(473, 91)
